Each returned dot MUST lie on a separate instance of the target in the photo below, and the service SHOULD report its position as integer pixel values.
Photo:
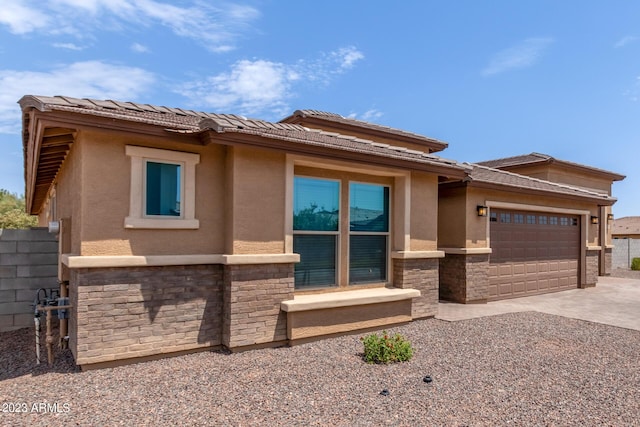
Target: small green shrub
(386, 349)
(635, 264)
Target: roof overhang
(290, 145)
(600, 201)
(373, 131)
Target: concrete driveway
(614, 301)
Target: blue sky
(491, 78)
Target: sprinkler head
(427, 379)
(384, 392)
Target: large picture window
(316, 220)
(368, 233)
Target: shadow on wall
(148, 310)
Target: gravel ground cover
(514, 369)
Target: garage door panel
(531, 258)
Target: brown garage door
(532, 253)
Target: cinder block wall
(624, 251)
(28, 261)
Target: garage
(532, 253)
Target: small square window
(505, 218)
(531, 219)
(162, 189)
(553, 220)
(542, 220)
(493, 217)
(518, 219)
(564, 220)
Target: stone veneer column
(591, 269)
(420, 274)
(251, 298)
(608, 260)
(131, 312)
(464, 278)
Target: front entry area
(532, 253)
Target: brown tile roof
(626, 225)
(485, 176)
(299, 115)
(539, 158)
(189, 121)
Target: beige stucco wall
(452, 213)
(424, 212)
(67, 202)
(557, 173)
(255, 201)
(98, 169)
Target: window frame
(145, 198)
(387, 235)
(344, 232)
(138, 218)
(337, 233)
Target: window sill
(347, 299)
(161, 224)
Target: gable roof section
(515, 162)
(483, 176)
(210, 128)
(628, 225)
(313, 118)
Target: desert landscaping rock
(513, 369)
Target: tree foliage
(317, 220)
(13, 213)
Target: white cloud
(625, 41)
(215, 27)
(139, 48)
(347, 57)
(371, 115)
(265, 87)
(249, 87)
(21, 18)
(90, 79)
(522, 55)
(69, 46)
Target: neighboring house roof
(320, 118)
(628, 225)
(209, 127)
(483, 176)
(512, 163)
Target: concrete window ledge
(310, 316)
(347, 299)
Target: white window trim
(188, 161)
